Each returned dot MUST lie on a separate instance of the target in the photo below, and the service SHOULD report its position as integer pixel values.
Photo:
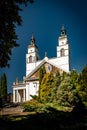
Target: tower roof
(32, 42)
(63, 30)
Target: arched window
(62, 52)
(30, 59)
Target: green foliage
(60, 92)
(41, 75)
(74, 77)
(64, 75)
(31, 105)
(67, 94)
(9, 18)
(46, 87)
(55, 85)
(82, 85)
(35, 106)
(35, 97)
(44, 108)
(3, 87)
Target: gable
(48, 67)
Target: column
(24, 94)
(13, 95)
(27, 92)
(17, 96)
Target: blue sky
(44, 19)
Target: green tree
(0, 87)
(9, 19)
(67, 94)
(41, 75)
(3, 89)
(55, 85)
(82, 85)
(64, 75)
(45, 88)
(74, 77)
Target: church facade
(22, 91)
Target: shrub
(31, 105)
(67, 94)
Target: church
(22, 91)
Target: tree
(74, 77)
(41, 75)
(64, 74)
(45, 88)
(67, 94)
(3, 88)
(82, 85)
(9, 18)
(55, 85)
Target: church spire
(63, 30)
(32, 40)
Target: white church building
(22, 91)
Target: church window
(30, 59)
(62, 43)
(62, 52)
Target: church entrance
(19, 95)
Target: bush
(34, 105)
(44, 108)
(31, 105)
(67, 93)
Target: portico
(19, 93)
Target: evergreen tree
(74, 77)
(67, 94)
(46, 87)
(55, 85)
(3, 87)
(41, 75)
(0, 87)
(64, 75)
(82, 85)
(9, 19)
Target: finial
(63, 30)
(32, 36)
(32, 39)
(16, 79)
(46, 58)
(45, 54)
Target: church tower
(63, 50)
(32, 57)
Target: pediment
(49, 67)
